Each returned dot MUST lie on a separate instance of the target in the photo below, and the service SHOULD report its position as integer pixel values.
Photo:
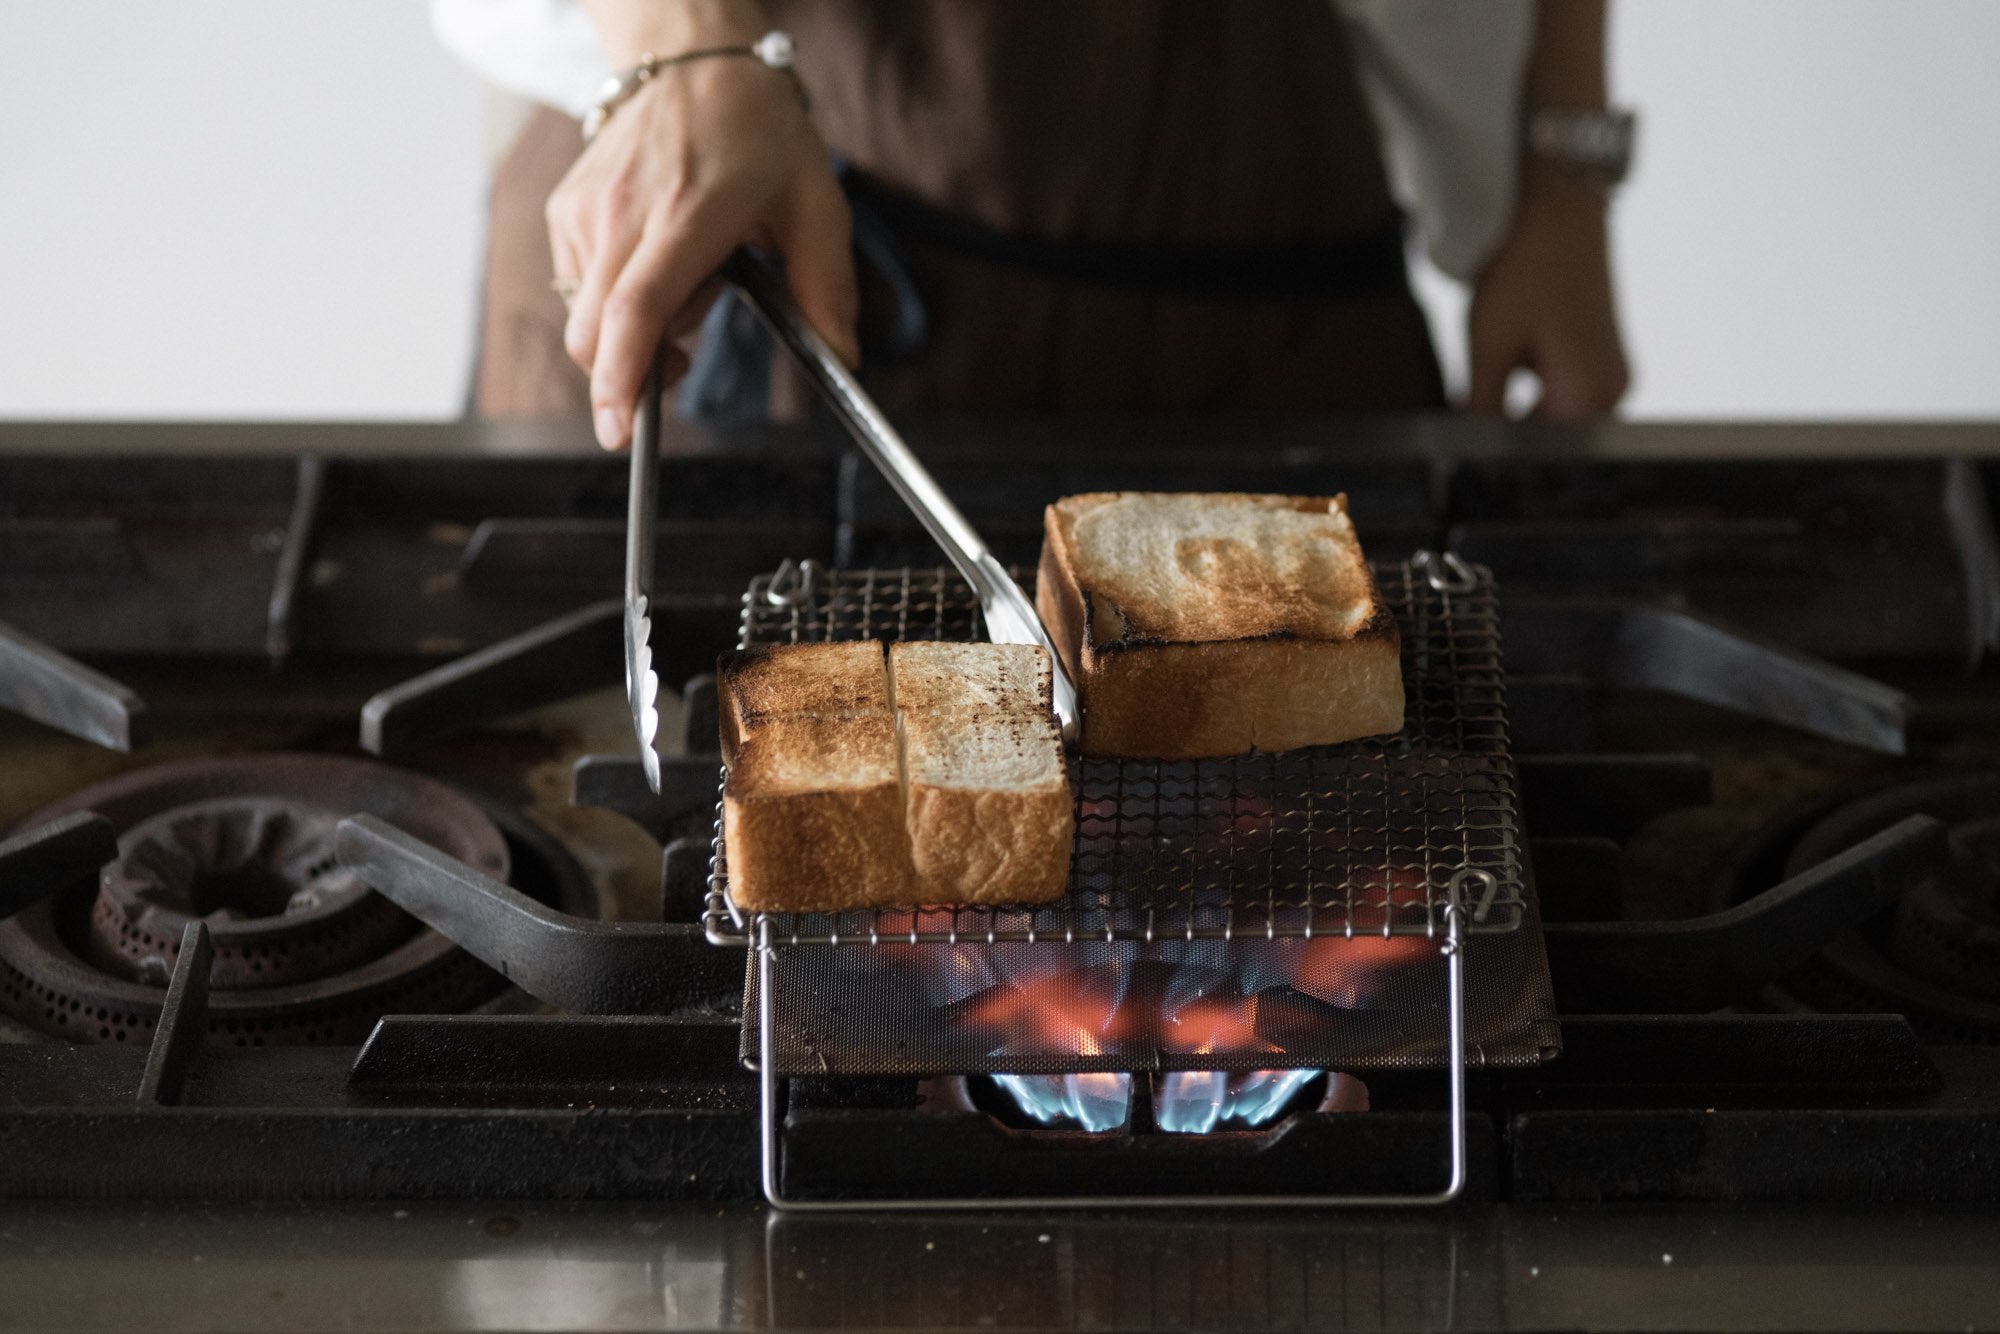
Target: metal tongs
(1009, 615)
(642, 506)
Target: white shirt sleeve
(1442, 77)
(1444, 80)
(542, 49)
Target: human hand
(705, 157)
(1543, 303)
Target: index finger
(663, 274)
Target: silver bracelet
(774, 49)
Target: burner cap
(261, 872)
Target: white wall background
(234, 209)
(1812, 232)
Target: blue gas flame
(1185, 1102)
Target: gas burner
(1935, 956)
(303, 951)
(261, 873)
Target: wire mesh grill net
(1252, 912)
(1355, 839)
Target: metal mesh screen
(1255, 912)
(1326, 1004)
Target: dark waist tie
(730, 373)
(1353, 268)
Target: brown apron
(1190, 126)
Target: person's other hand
(1543, 304)
(706, 156)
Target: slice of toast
(813, 816)
(850, 786)
(1216, 624)
(990, 814)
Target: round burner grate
(303, 953)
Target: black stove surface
(1706, 1151)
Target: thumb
(1486, 377)
(815, 241)
(1565, 396)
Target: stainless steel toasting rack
(1410, 836)
(1357, 839)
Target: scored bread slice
(826, 681)
(852, 786)
(813, 816)
(990, 815)
(1202, 624)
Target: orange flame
(1214, 1023)
(1059, 1013)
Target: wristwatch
(1599, 141)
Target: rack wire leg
(771, 1124)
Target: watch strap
(1588, 140)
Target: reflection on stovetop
(555, 1266)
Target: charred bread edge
(1059, 599)
(1071, 603)
(1065, 605)
(732, 719)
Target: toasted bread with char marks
(1215, 624)
(812, 816)
(990, 815)
(940, 780)
(843, 680)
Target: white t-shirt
(1443, 78)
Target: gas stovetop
(1758, 753)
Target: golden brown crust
(1182, 567)
(803, 754)
(812, 815)
(1058, 599)
(1191, 701)
(821, 813)
(817, 851)
(971, 845)
(783, 680)
(1274, 690)
(930, 677)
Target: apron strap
(1354, 268)
(730, 373)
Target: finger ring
(564, 288)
